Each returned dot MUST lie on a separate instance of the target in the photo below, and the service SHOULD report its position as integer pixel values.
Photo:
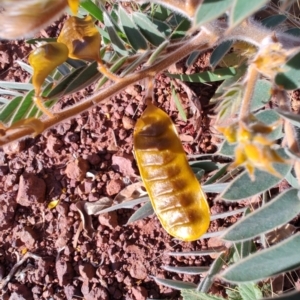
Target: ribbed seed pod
(176, 194)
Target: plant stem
(247, 97)
(201, 41)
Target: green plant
(264, 61)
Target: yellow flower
(253, 156)
(254, 149)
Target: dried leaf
(44, 60)
(81, 37)
(130, 192)
(92, 208)
(85, 218)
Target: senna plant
(253, 58)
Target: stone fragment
(53, 144)
(109, 219)
(139, 293)
(64, 271)
(86, 271)
(77, 169)
(114, 187)
(32, 190)
(128, 123)
(123, 164)
(28, 236)
(14, 147)
(138, 271)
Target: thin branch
(201, 41)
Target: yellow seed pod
(44, 60)
(176, 195)
(81, 37)
(23, 18)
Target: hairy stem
(251, 79)
(201, 41)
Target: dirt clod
(77, 169)
(32, 190)
(114, 187)
(139, 293)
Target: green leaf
(4, 101)
(210, 10)
(23, 108)
(186, 270)
(290, 116)
(116, 41)
(219, 53)
(268, 117)
(7, 112)
(215, 187)
(195, 295)
(178, 104)
(85, 77)
(136, 40)
(125, 204)
(60, 87)
(272, 261)
(181, 30)
(148, 29)
(242, 9)
(224, 86)
(292, 180)
(8, 92)
(19, 86)
(261, 94)
(227, 214)
(161, 13)
(162, 27)
(273, 21)
(285, 207)
(92, 9)
(175, 284)
(115, 67)
(207, 76)
(63, 70)
(206, 165)
(192, 58)
(290, 78)
(134, 64)
(227, 149)
(250, 291)
(214, 269)
(25, 66)
(242, 187)
(293, 31)
(75, 63)
(145, 211)
(157, 52)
